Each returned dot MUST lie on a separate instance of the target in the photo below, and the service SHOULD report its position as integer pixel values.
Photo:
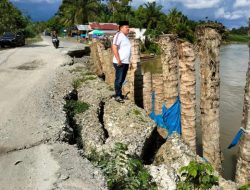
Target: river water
(233, 67)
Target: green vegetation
(11, 19)
(77, 69)
(197, 176)
(33, 40)
(83, 78)
(136, 112)
(240, 31)
(75, 107)
(122, 171)
(244, 187)
(238, 38)
(148, 15)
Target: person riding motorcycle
(55, 39)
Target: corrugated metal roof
(82, 27)
(103, 26)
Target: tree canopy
(11, 19)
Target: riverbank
(105, 123)
(236, 39)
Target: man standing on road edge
(121, 48)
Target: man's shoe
(124, 97)
(119, 99)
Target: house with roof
(107, 28)
(83, 30)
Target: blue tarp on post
(170, 119)
(236, 138)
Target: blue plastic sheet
(236, 139)
(170, 119)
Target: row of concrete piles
(178, 78)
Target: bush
(123, 171)
(197, 176)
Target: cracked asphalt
(33, 82)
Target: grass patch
(87, 74)
(76, 69)
(238, 38)
(136, 112)
(75, 107)
(36, 39)
(76, 83)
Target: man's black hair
(123, 23)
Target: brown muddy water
(233, 68)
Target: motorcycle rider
(55, 39)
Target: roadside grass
(76, 83)
(76, 107)
(36, 39)
(77, 69)
(238, 38)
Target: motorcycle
(55, 42)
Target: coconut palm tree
(77, 11)
(180, 24)
(153, 13)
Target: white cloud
(198, 4)
(190, 4)
(241, 3)
(221, 13)
(37, 1)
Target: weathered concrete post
(96, 56)
(108, 67)
(134, 72)
(209, 49)
(157, 87)
(243, 164)
(147, 89)
(169, 59)
(187, 92)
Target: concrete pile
(209, 52)
(187, 92)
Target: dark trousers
(120, 75)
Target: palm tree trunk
(209, 48)
(243, 163)
(169, 60)
(187, 93)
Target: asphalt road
(32, 85)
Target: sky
(232, 13)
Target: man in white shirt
(121, 48)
